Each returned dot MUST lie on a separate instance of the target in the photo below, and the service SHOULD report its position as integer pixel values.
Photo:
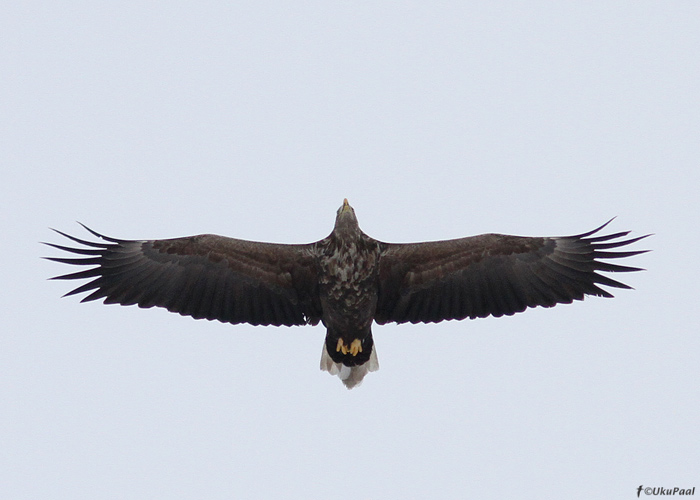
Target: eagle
(347, 280)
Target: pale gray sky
(437, 120)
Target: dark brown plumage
(347, 280)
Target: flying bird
(347, 280)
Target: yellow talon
(356, 347)
(341, 347)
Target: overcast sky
(436, 120)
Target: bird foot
(354, 348)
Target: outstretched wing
(204, 276)
(494, 274)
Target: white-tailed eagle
(347, 280)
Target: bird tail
(350, 375)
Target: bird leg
(354, 348)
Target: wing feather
(495, 274)
(204, 276)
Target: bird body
(348, 290)
(347, 280)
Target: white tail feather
(350, 375)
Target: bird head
(345, 219)
(345, 208)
